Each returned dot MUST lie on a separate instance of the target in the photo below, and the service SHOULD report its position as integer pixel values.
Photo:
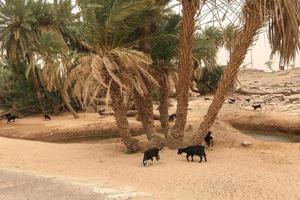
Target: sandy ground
(267, 170)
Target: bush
(209, 80)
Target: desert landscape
(93, 155)
(149, 100)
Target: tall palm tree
(283, 19)
(205, 50)
(52, 63)
(144, 103)
(16, 35)
(185, 68)
(22, 23)
(229, 34)
(164, 48)
(112, 62)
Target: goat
(256, 106)
(7, 115)
(101, 112)
(149, 154)
(47, 117)
(231, 101)
(12, 118)
(198, 150)
(209, 140)
(172, 117)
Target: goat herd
(191, 151)
(12, 118)
(233, 100)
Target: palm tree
(229, 34)
(22, 24)
(144, 103)
(205, 52)
(164, 48)
(282, 18)
(52, 64)
(112, 62)
(16, 35)
(185, 68)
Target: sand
(266, 170)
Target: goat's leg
(205, 158)
(192, 158)
(187, 157)
(200, 158)
(157, 159)
(152, 161)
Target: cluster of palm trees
(125, 49)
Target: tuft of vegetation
(209, 79)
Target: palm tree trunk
(245, 38)
(119, 107)
(144, 106)
(38, 91)
(36, 84)
(189, 10)
(67, 103)
(163, 98)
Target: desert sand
(265, 170)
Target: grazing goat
(150, 154)
(172, 117)
(209, 140)
(231, 101)
(12, 118)
(7, 115)
(256, 106)
(101, 112)
(198, 150)
(47, 117)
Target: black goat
(209, 140)
(47, 117)
(172, 117)
(12, 118)
(231, 101)
(256, 106)
(7, 115)
(101, 112)
(150, 154)
(198, 150)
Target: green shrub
(209, 80)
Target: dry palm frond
(94, 72)
(283, 24)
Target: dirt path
(22, 186)
(263, 172)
